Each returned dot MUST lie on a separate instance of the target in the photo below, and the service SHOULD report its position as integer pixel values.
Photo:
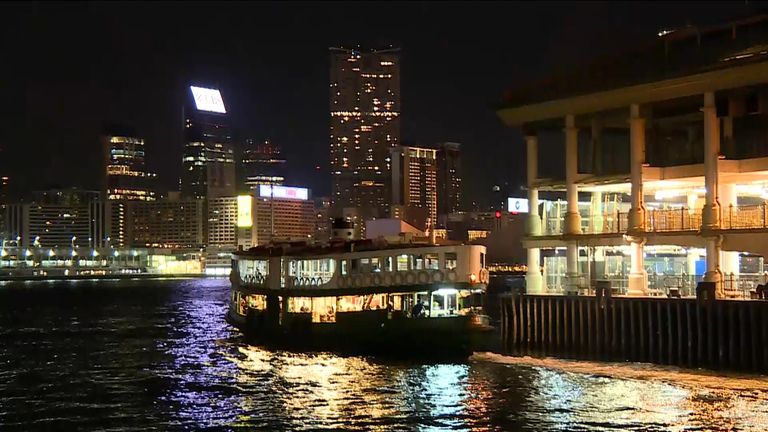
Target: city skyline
(276, 85)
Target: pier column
(572, 217)
(711, 213)
(638, 277)
(637, 159)
(533, 278)
(710, 217)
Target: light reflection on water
(139, 354)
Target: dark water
(157, 355)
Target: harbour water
(157, 355)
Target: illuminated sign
(244, 216)
(267, 191)
(208, 100)
(517, 205)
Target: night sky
(67, 69)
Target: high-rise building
(365, 124)
(261, 164)
(449, 180)
(414, 178)
(5, 180)
(230, 222)
(65, 218)
(208, 164)
(168, 224)
(283, 213)
(126, 175)
(323, 219)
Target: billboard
(517, 205)
(244, 211)
(208, 100)
(267, 191)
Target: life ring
(398, 278)
(438, 276)
(484, 275)
(410, 278)
(357, 281)
(368, 280)
(377, 279)
(387, 279)
(341, 281)
(452, 276)
(423, 277)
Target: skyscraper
(261, 164)
(365, 125)
(126, 174)
(208, 164)
(448, 180)
(414, 178)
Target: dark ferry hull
(374, 332)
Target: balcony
(668, 220)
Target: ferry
(362, 296)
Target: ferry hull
(375, 332)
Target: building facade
(364, 125)
(670, 159)
(414, 178)
(208, 163)
(168, 224)
(261, 164)
(126, 173)
(449, 180)
(282, 212)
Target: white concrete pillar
(638, 277)
(710, 217)
(572, 218)
(533, 278)
(713, 273)
(637, 159)
(691, 258)
(711, 212)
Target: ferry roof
(338, 247)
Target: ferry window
(355, 266)
(482, 260)
(344, 264)
(418, 262)
(365, 265)
(450, 260)
(376, 265)
(431, 262)
(402, 263)
(388, 264)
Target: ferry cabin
(446, 280)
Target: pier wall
(716, 334)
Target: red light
(498, 214)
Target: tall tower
(261, 164)
(126, 173)
(449, 179)
(414, 179)
(365, 125)
(208, 164)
